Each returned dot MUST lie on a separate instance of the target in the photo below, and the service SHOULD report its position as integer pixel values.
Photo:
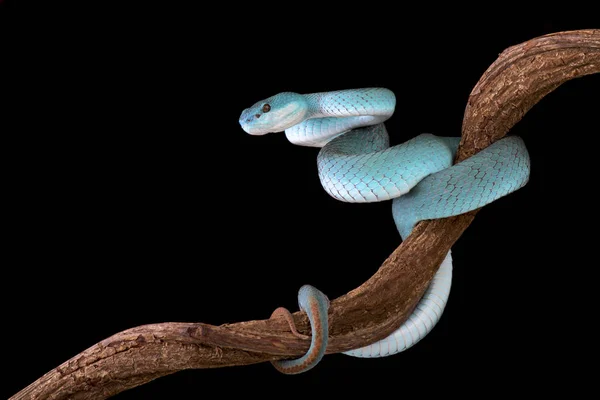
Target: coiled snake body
(356, 164)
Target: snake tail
(316, 305)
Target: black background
(136, 198)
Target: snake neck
(349, 103)
(316, 105)
(328, 115)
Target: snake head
(275, 114)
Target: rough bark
(516, 81)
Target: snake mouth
(252, 129)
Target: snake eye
(266, 108)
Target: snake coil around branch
(515, 82)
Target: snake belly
(357, 164)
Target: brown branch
(521, 76)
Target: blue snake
(357, 164)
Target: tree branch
(516, 81)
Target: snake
(356, 164)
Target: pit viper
(356, 164)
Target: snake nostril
(257, 115)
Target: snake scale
(357, 164)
